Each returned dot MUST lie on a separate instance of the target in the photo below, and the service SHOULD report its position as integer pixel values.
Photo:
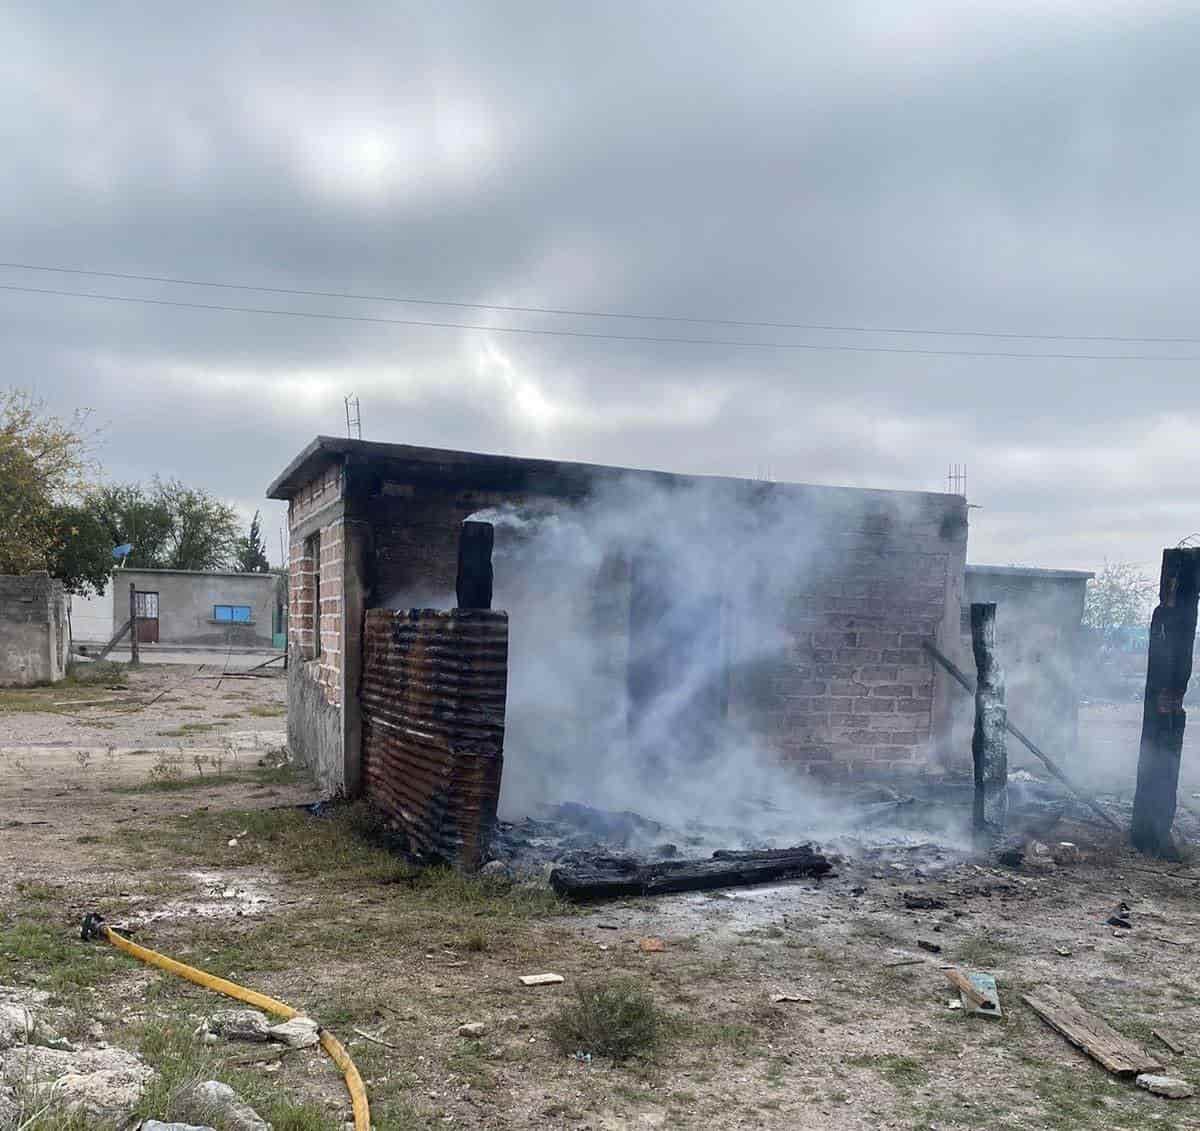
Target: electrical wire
(645, 338)
(635, 315)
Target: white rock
(16, 1024)
(472, 1029)
(37, 1065)
(240, 1025)
(107, 1094)
(155, 1125)
(496, 870)
(299, 1032)
(222, 1103)
(8, 1109)
(1170, 1086)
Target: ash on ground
(923, 831)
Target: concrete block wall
(34, 633)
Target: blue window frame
(232, 614)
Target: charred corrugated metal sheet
(434, 685)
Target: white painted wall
(92, 617)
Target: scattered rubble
(297, 1033)
(240, 1025)
(1169, 1086)
(222, 1102)
(914, 901)
(542, 979)
(1120, 917)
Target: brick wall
(856, 694)
(318, 567)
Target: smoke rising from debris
(651, 630)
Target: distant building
(1039, 640)
(186, 608)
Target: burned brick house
(809, 618)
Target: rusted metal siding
(433, 693)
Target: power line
(639, 316)
(736, 342)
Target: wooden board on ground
(984, 986)
(1060, 1011)
(1170, 1040)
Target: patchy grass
(267, 710)
(617, 1019)
(42, 697)
(42, 952)
(188, 730)
(256, 775)
(902, 1072)
(982, 951)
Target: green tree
(80, 551)
(169, 525)
(204, 530)
(46, 463)
(132, 515)
(250, 553)
(1119, 596)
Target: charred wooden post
(988, 747)
(1168, 670)
(474, 583)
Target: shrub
(617, 1019)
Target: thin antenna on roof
(956, 479)
(353, 418)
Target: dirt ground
(179, 819)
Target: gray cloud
(1011, 167)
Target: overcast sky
(1010, 168)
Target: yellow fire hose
(94, 927)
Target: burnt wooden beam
(615, 878)
(1168, 670)
(989, 750)
(473, 586)
(963, 681)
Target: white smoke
(700, 589)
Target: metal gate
(146, 609)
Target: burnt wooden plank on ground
(613, 878)
(1094, 1036)
(1168, 670)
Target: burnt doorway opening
(678, 675)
